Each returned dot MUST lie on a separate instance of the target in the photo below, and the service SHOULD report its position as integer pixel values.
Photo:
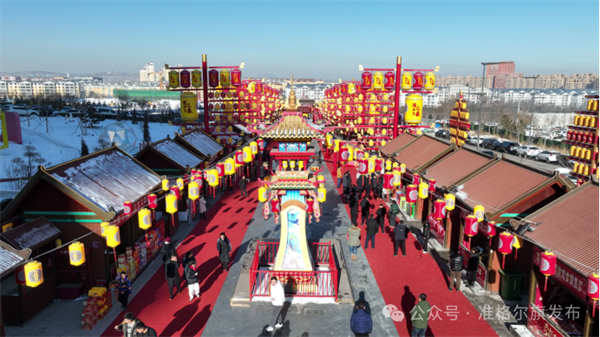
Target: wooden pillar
(589, 320)
(447, 223)
(532, 284)
(419, 205)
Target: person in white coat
(202, 208)
(277, 298)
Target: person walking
(456, 268)
(372, 228)
(380, 186)
(144, 331)
(347, 183)
(353, 203)
(167, 250)
(472, 266)
(400, 235)
(243, 182)
(419, 317)
(128, 325)
(426, 234)
(361, 322)
(393, 213)
(172, 275)
(353, 240)
(224, 249)
(339, 176)
(359, 185)
(277, 299)
(202, 207)
(367, 186)
(124, 290)
(381, 212)
(191, 277)
(365, 208)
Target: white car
(21, 110)
(548, 156)
(528, 150)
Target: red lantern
(309, 205)
(185, 79)
(432, 185)
(411, 194)
(471, 225)
(261, 144)
(363, 166)
(344, 89)
(547, 265)
(152, 201)
(221, 169)
(593, 290)
(127, 207)
(360, 154)
(416, 178)
(418, 85)
(275, 205)
(236, 77)
(213, 78)
(259, 88)
(505, 245)
(378, 164)
(387, 180)
(20, 275)
(239, 157)
(175, 190)
(367, 80)
(198, 179)
(344, 154)
(491, 230)
(439, 209)
(389, 81)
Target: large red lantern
(505, 245)
(239, 157)
(367, 80)
(363, 166)
(387, 180)
(185, 79)
(416, 178)
(309, 205)
(547, 265)
(359, 154)
(236, 78)
(411, 194)
(152, 202)
(261, 144)
(378, 164)
(344, 154)
(491, 230)
(175, 190)
(439, 209)
(418, 85)
(221, 169)
(471, 226)
(432, 185)
(259, 88)
(593, 290)
(213, 78)
(389, 81)
(344, 89)
(275, 205)
(20, 275)
(127, 207)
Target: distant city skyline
(310, 39)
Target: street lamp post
(532, 107)
(482, 94)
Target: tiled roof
(32, 234)
(420, 151)
(499, 185)
(569, 226)
(202, 142)
(8, 259)
(455, 166)
(291, 127)
(397, 143)
(177, 153)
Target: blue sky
(311, 39)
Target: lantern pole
(397, 95)
(205, 91)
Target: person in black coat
(367, 185)
(172, 275)
(380, 186)
(359, 185)
(253, 173)
(400, 235)
(371, 231)
(365, 208)
(189, 257)
(167, 250)
(456, 267)
(347, 183)
(243, 182)
(353, 203)
(472, 266)
(426, 234)
(381, 212)
(224, 249)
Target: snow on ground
(63, 142)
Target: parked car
(72, 112)
(21, 110)
(443, 134)
(528, 150)
(548, 156)
(106, 112)
(490, 143)
(508, 147)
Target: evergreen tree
(147, 138)
(134, 117)
(84, 148)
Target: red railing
(318, 283)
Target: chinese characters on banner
(538, 324)
(121, 218)
(437, 229)
(570, 279)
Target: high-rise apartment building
(147, 73)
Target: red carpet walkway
(402, 279)
(179, 317)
